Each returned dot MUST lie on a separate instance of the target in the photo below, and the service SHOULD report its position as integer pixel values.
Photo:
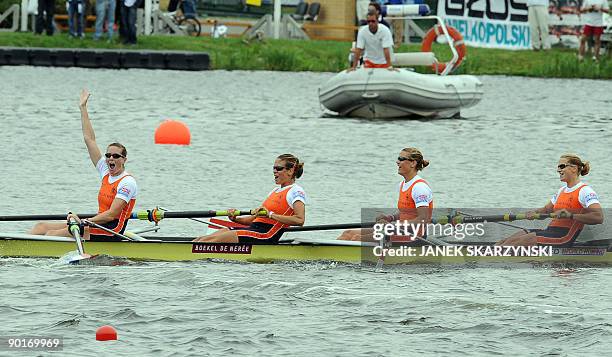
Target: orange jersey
(407, 206)
(106, 196)
(406, 203)
(571, 202)
(276, 202)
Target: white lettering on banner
(470, 251)
(488, 23)
(503, 23)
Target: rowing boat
(303, 250)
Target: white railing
(12, 10)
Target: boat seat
(414, 59)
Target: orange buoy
(106, 333)
(172, 132)
(458, 43)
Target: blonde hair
(415, 154)
(583, 166)
(292, 161)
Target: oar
(326, 227)
(41, 217)
(75, 229)
(214, 225)
(146, 215)
(132, 238)
(157, 214)
(456, 219)
(500, 223)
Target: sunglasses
(371, 21)
(108, 155)
(401, 158)
(562, 166)
(278, 168)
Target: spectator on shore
(361, 8)
(76, 17)
(593, 25)
(127, 30)
(398, 26)
(538, 23)
(44, 18)
(105, 15)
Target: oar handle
(77, 230)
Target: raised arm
(88, 133)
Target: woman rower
(285, 206)
(574, 205)
(117, 195)
(415, 202)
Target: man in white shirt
(375, 42)
(593, 25)
(538, 23)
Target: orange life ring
(458, 43)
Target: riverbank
(331, 56)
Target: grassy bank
(329, 56)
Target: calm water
(501, 154)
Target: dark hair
(123, 149)
(415, 154)
(583, 166)
(292, 161)
(376, 5)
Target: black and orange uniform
(564, 231)
(124, 188)
(267, 230)
(413, 194)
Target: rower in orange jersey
(574, 205)
(415, 202)
(285, 205)
(117, 194)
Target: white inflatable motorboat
(381, 93)
(403, 93)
